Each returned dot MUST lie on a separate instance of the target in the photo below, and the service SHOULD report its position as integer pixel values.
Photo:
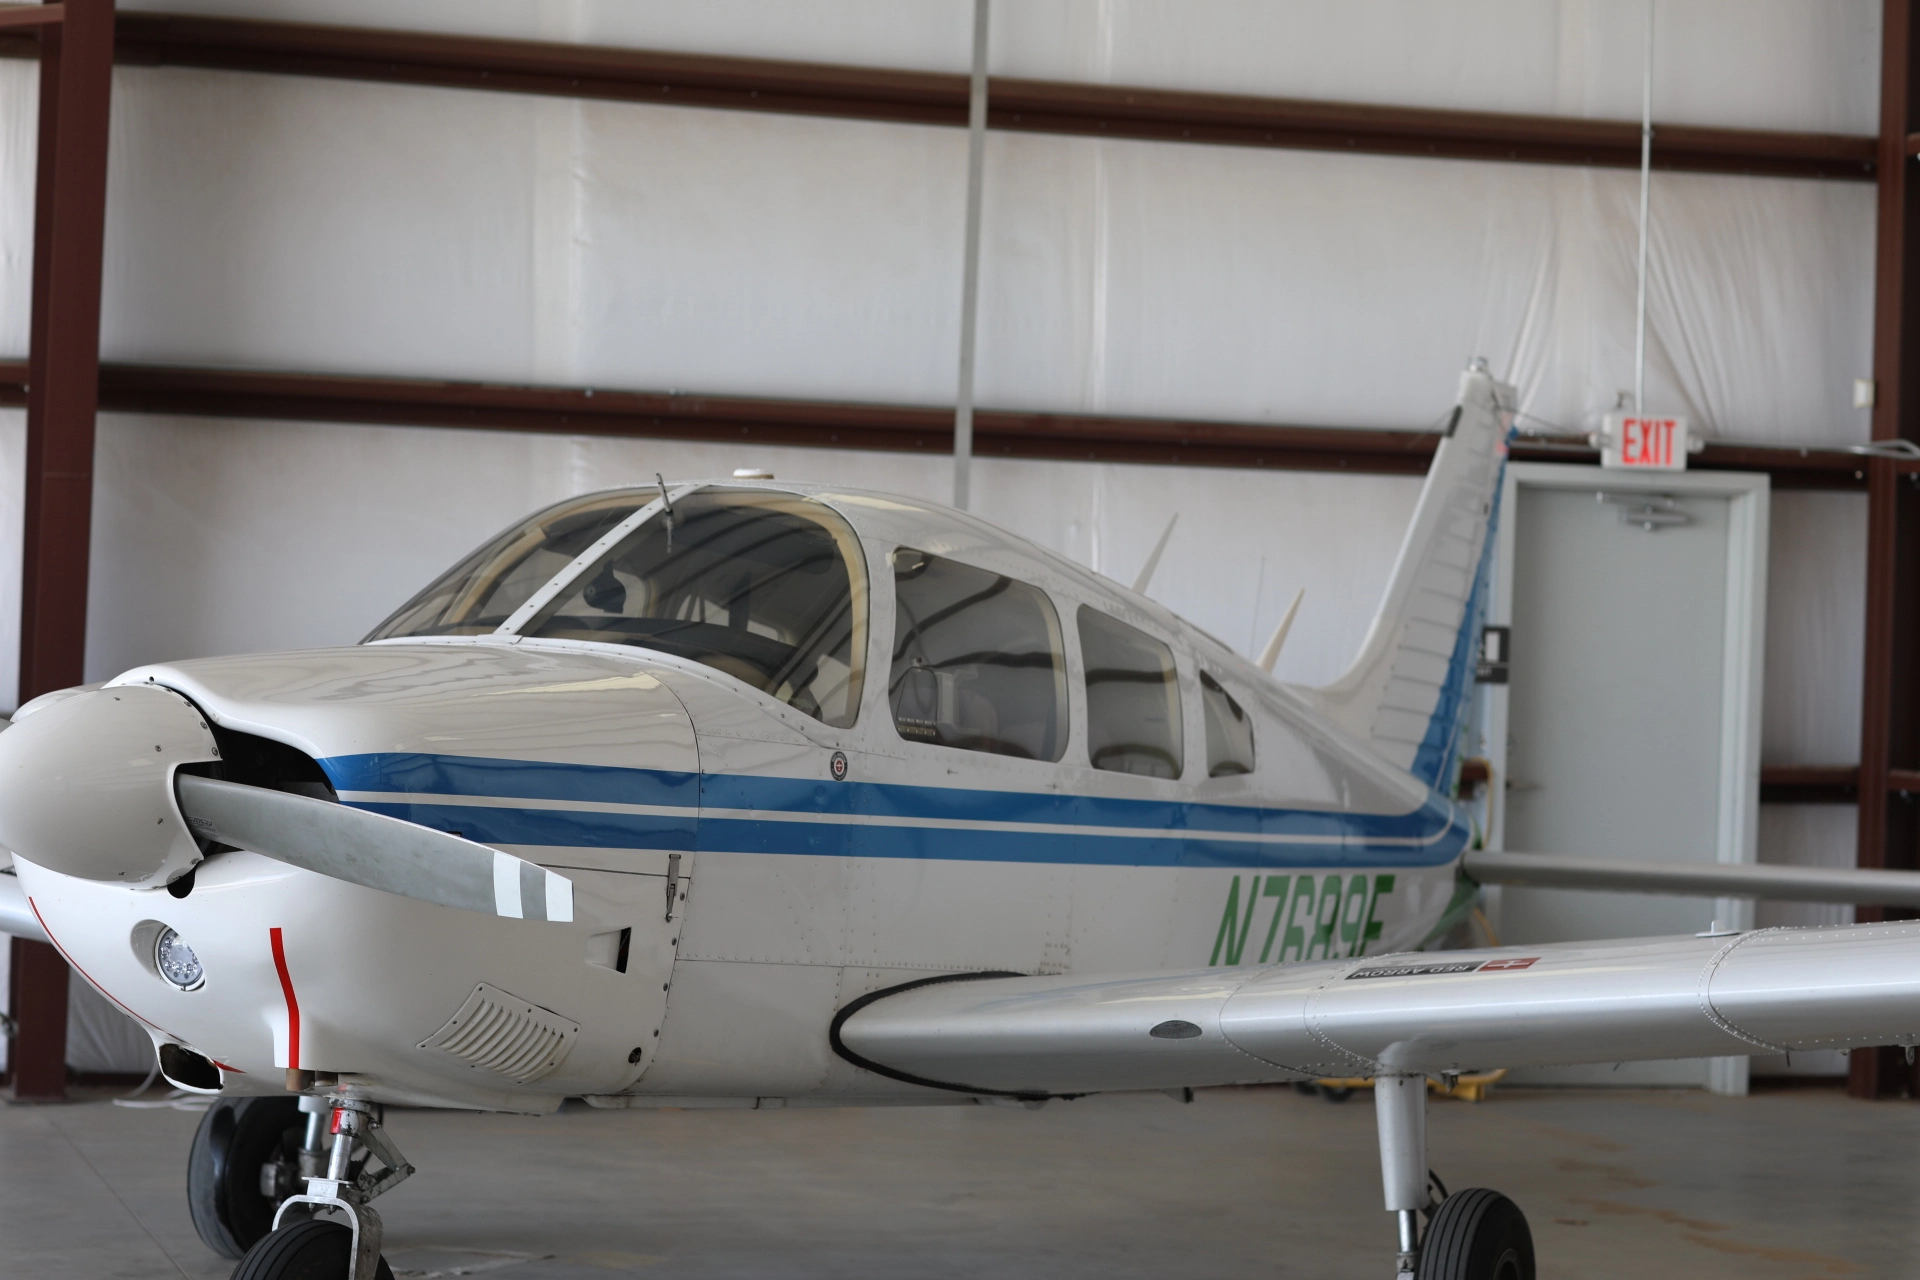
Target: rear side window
(1133, 700)
(1229, 731)
(977, 660)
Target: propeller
(93, 786)
(373, 850)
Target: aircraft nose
(86, 785)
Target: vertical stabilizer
(1409, 690)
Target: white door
(1631, 712)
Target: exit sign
(1644, 443)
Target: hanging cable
(970, 272)
(1646, 184)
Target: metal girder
(70, 211)
(1890, 697)
(1809, 784)
(938, 98)
(64, 359)
(17, 17)
(37, 996)
(427, 402)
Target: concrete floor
(1240, 1184)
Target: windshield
(767, 587)
(482, 591)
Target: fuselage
(750, 855)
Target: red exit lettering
(1637, 441)
(1647, 442)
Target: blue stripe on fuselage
(753, 814)
(519, 779)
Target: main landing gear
(329, 1231)
(1471, 1235)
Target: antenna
(1271, 653)
(1153, 561)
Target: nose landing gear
(362, 1164)
(247, 1156)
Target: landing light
(176, 962)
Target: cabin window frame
(852, 556)
(885, 634)
(1185, 692)
(1204, 676)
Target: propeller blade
(373, 850)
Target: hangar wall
(270, 221)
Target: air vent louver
(498, 1032)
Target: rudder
(1409, 691)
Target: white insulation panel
(284, 222)
(1763, 64)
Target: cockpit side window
(1229, 731)
(768, 587)
(482, 591)
(977, 660)
(1133, 699)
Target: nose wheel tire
(312, 1249)
(237, 1139)
(1477, 1235)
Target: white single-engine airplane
(794, 795)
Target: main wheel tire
(236, 1137)
(309, 1250)
(1477, 1235)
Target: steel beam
(64, 359)
(427, 402)
(1890, 696)
(937, 98)
(1809, 784)
(17, 17)
(37, 995)
(70, 210)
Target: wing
(1769, 991)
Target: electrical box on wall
(1492, 666)
(1638, 442)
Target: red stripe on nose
(293, 1004)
